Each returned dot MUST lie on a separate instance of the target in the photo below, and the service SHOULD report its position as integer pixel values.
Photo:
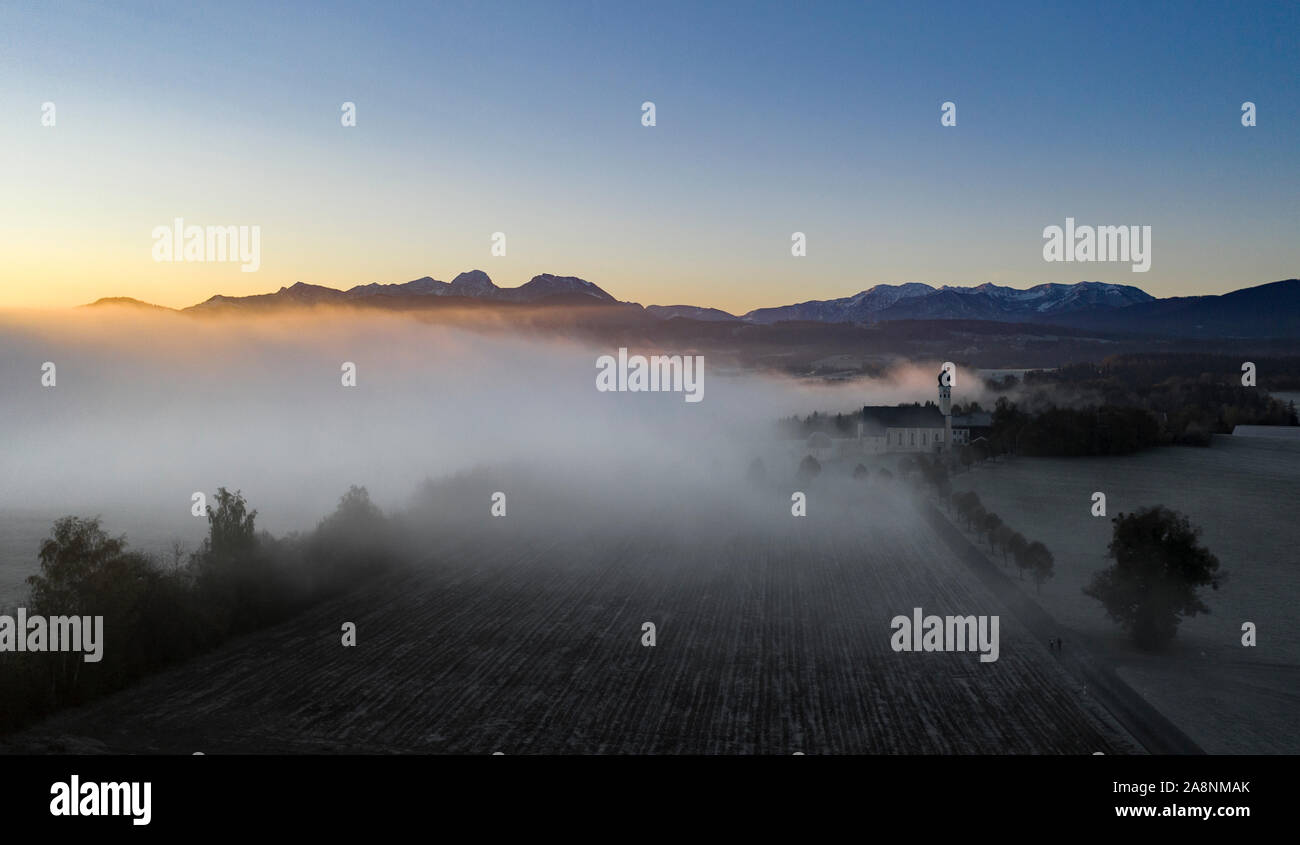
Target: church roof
(877, 418)
(979, 419)
(1288, 431)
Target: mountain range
(474, 284)
(1269, 310)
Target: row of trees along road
(1029, 556)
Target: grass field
(1243, 493)
(773, 636)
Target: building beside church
(967, 428)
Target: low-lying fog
(148, 408)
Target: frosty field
(773, 636)
(1243, 493)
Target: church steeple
(945, 405)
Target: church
(903, 428)
(919, 428)
(927, 428)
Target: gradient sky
(525, 118)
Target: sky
(526, 119)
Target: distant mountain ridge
(1269, 310)
(473, 284)
(916, 300)
(690, 312)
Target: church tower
(945, 406)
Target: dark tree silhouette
(988, 524)
(1159, 566)
(809, 468)
(1023, 557)
(936, 475)
(969, 507)
(1041, 564)
(234, 578)
(1001, 539)
(230, 527)
(79, 562)
(154, 616)
(86, 572)
(1017, 545)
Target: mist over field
(149, 408)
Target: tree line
(1189, 396)
(156, 614)
(1029, 556)
(1122, 405)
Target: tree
(1023, 556)
(989, 524)
(971, 510)
(86, 572)
(231, 532)
(234, 580)
(965, 503)
(1159, 567)
(78, 562)
(1008, 422)
(936, 473)
(1017, 545)
(352, 541)
(1001, 538)
(1040, 564)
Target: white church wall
(913, 439)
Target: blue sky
(524, 118)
